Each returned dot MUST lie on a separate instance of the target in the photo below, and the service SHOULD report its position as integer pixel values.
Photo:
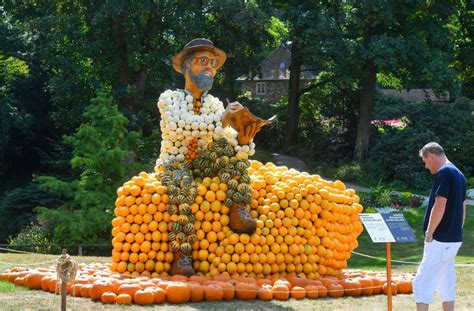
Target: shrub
(34, 234)
(17, 208)
(102, 149)
(450, 125)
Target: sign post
(388, 228)
(389, 278)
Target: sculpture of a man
(191, 121)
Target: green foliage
(244, 30)
(396, 151)
(349, 172)
(33, 234)
(17, 208)
(103, 156)
(13, 121)
(463, 26)
(381, 197)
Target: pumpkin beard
(202, 81)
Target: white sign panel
(377, 228)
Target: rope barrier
(354, 252)
(28, 264)
(384, 259)
(17, 251)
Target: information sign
(387, 227)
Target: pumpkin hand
(246, 134)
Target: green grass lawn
(10, 287)
(410, 251)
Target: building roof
(276, 66)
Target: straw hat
(199, 44)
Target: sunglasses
(204, 60)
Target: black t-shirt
(449, 183)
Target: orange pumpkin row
(96, 282)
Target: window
(261, 88)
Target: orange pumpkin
(159, 295)
(223, 277)
(298, 292)
(404, 286)
(335, 289)
(198, 279)
(4, 276)
(163, 285)
(124, 299)
(19, 281)
(144, 297)
(86, 290)
(108, 297)
(177, 293)
(246, 291)
(378, 284)
(101, 286)
(33, 280)
(297, 281)
(283, 282)
(76, 290)
(265, 292)
(81, 280)
(197, 291)
(179, 278)
(280, 291)
(261, 282)
(311, 291)
(146, 284)
(128, 288)
(394, 288)
(53, 286)
(228, 290)
(352, 287)
(45, 282)
(367, 286)
(213, 292)
(322, 291)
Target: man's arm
(464, 213)
(436, 215)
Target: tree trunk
(124, 70)
(293, 95)
(366, 106)
(229, 81)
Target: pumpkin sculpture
(208, 209)
(305, 225)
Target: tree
(315, 42)
(463, 23)
(244, 30)
(101, 147)
(407, 41)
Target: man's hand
(428, 237)
(246, 135)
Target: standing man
(443, 225)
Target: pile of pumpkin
(306, 226)
(97, 282)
